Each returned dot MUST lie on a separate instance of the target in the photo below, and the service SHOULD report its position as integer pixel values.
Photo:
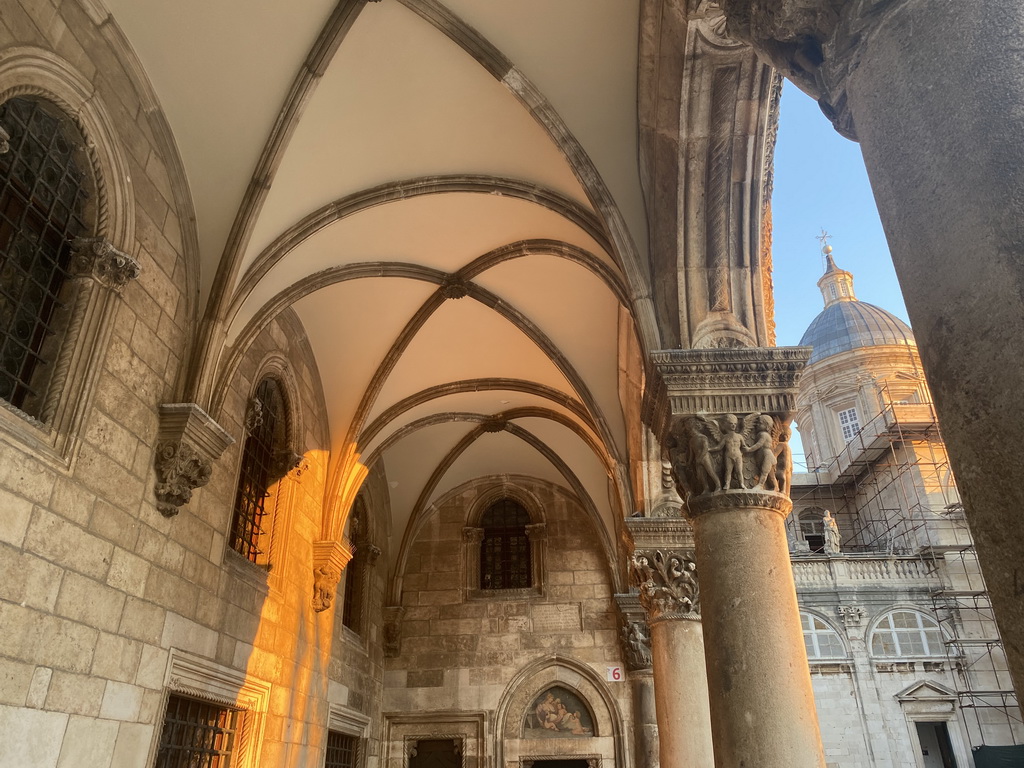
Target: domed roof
(847, 325)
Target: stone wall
(466, 652)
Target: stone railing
(859, 571)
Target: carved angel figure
(700, 457)
(784, 461)
(763, 450)
(731, 447)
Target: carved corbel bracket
(98, 259)
(634, 632)
(393, 615)
(329, 560)
(188, 442)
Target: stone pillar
(934, 92)
(636, 650)
(666, 580)
(730, 466)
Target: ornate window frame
(473, 534)
(104, 265)
(276, 367)
(201, 678)
(343, 720)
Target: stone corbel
(97, 259)
(329, 560)
(393, 615)
(634, 633)
(188, 442)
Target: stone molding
(188, 442)
(667, 583)
(733, 501)
(393, 615)
(98, 259)
(815, 43)
(329, 560)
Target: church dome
(847, 323)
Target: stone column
(934, 92)
(665, 577)
(636, 650)
(730, 466)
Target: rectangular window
(849, 423)
(198, 734)
(342, 750)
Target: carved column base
(188, 443)
(329, 560)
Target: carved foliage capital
(99, 260)
(667, 581)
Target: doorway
(560, 763)
(435, 753)
(936, 748)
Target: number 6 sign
(614, 674)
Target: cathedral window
(907, 633)
(263, 464)
(45, 190)
(505, 548)
(821, 640)
(198, 734)
(849, 423)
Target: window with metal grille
(45, 186)
(342, 750)
(505, 549)
(198, 734)
(261, 467)
(849, 423)
(355, 571)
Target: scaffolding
(893, 492)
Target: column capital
(815, 43)
(726, 419)
(667, 583)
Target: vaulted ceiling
(447, 196)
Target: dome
(847, 325)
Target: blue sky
(820, 182)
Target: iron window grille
(198, 734)
(505, 549)
(44, 191)
(342, 750)
(261, 467)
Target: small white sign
(614, 674)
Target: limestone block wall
(465, 653)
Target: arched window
(264, 462)
(820, 639)
(907, 633)
(505, 548)
(45, 188)
(813, 530)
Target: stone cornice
(657, 532)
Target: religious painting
(558, 712)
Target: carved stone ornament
(253, 415)
(712, 454)
(98, 259)
(329, 560)
(815, 43)
(636, 645)
(454, 288)
(852, 615)
(188, 442)
(5, 141)
(667, 582)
